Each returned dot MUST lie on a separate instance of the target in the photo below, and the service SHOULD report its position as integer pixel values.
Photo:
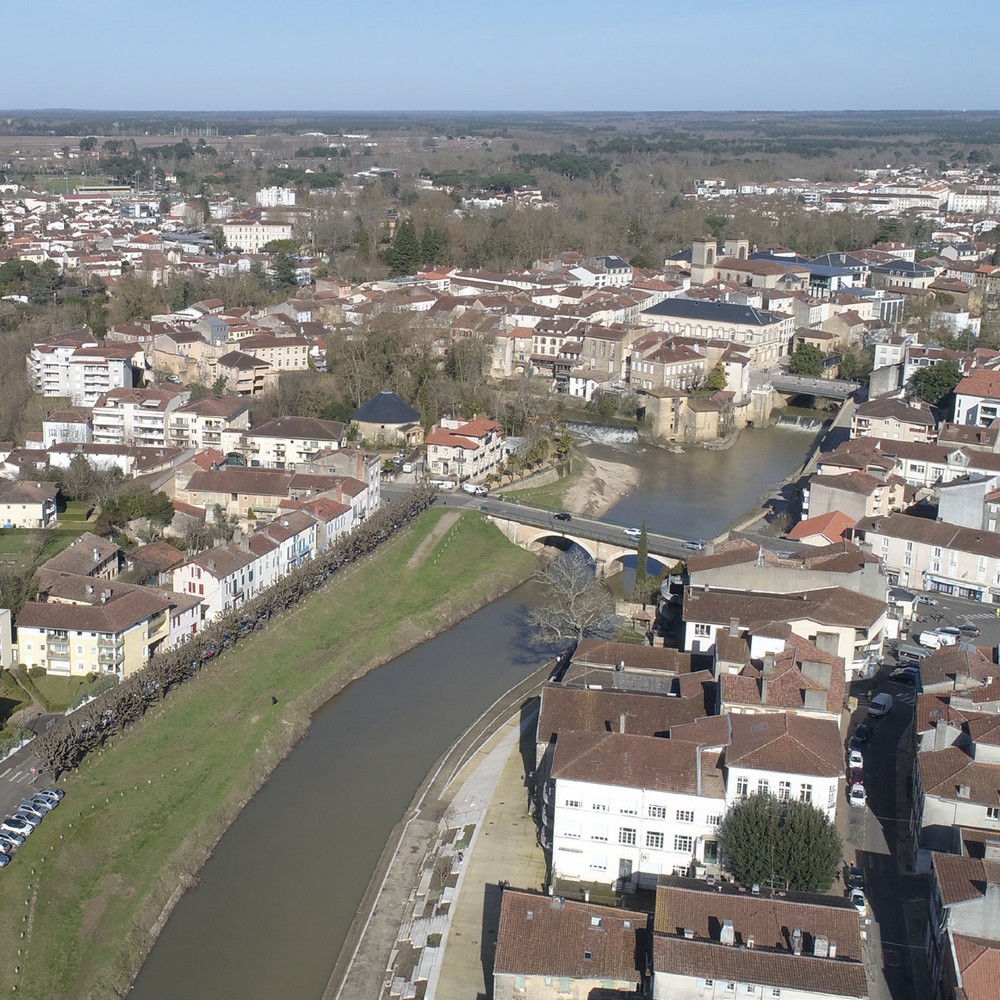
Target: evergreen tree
(283, 271)
(933, 383)
(641, 589)
(784, 844)
(716, 379)
(405, 254)
(807, 360)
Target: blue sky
(546, 55)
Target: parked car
(10, 841)
(56, 793)
(911, 654)
(854, 877)
(40, 803)
(861, 736)
(855, 760)
(36, 808)
(950, 630)
(33, 819)
(906, 675)
(970, 631)
(474, 489)
(857, 796)
(855, 777)
(14, 825)
(4, 860)
(934, 638)
(925, 599)
(880, 705)
(563, 516)
(859, 901)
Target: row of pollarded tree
(64, 747)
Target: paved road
(958, 611)
(659, 544)
(21, 771)
(875, 834)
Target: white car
(855, 759)
(859, 901)
(857, 796)
(632, 534)
(880, 705)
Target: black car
(854, 877)
(861, 736)
(563, 516)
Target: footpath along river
(276, 900)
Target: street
(894, 951)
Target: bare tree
(575, 606)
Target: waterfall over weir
(601, 433)
(797, 422)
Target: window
(714, 820)
(685, 815)
(574, 804)
(654, 839)
(626, 836)
(784, 790)
(763, 786)
(805, 793)
(703, 630)
(600, 807)
(831, 799)
(775, 992)
(682, 842)
(658, 812)
(630, 810)
(993, 812)
(742, 787)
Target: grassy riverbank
(140, 818)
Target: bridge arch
(535, 539)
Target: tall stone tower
(739, 248)
(703, 253)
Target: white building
(202, 422)
(135, 416)
(274, 197)
(627, 808)
(81, 369)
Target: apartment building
(202, 423)
(285, 442)
(465, 450)
(136, 416)
(78, 367)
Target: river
(277, 897)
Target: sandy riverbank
(600, 486)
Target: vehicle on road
(857, 796)
(442, 484)
(880, 705)
(950, 630)
(632, 534)
(695, 544)
(924, 599)
(859, 901)
(906, 675)
(563, 516)
(934, 638)
(970, 631)
(407, 467)
(854, 877)
(474, 489)
(861, 736)
(13, 825)
(855, 760)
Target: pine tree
(641, 589)
(404, 256)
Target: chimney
(727, 934)
(688, 934)
(821, 946)
(797, 941)
(97, 556)
(768, 663)
(734, 628)
(621, 723)
(832, 951)
(750, 942)
(940, 735)
(763, 690)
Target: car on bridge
(695, 544)
(563, 516)
(632, 534)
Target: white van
(476, 491)
(933, 639)
(880, 705)
(442, 484)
